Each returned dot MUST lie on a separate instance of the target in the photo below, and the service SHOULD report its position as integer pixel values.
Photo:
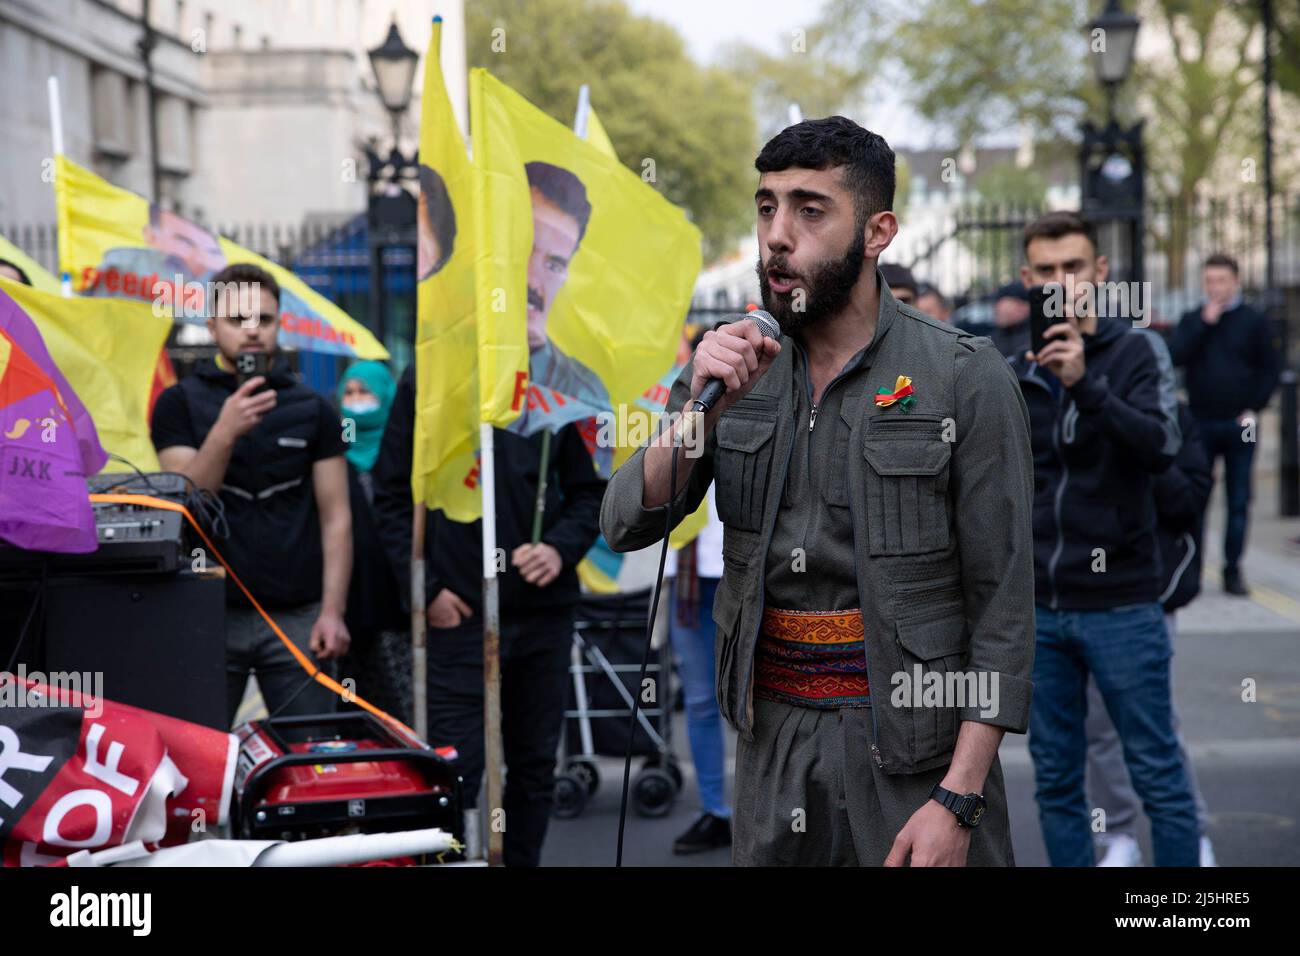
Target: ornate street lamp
(391, 180)
(1111, 159)
(1113, 58)
(393, 64)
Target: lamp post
(391, 206)
(1111, 158)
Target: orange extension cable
(306, 663)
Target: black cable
(143, 477)
(311, 679)
(649, 638)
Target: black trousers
(534, 681)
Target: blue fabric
(1223, 438)
(693, 647)
(1128, 652)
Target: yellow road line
(1264, 596)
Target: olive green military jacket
(940, 497)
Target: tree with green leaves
(974, 69)
(694, 124)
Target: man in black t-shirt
(272, 448)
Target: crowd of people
(1101, 468)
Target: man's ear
(1102, 268)
(878, 233)
(1026, 276)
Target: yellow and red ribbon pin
(902, 394)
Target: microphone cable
(649, 638)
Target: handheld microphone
(715, 388)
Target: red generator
(336, 774)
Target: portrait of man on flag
(435, 220)
(176, 246)
(561, 212)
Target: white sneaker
(1207, 852)
(1121, 850)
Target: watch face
(975, 816)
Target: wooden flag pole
(419, 624)
(539, 510)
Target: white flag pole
(491, 646)
(580, 116)
(56, 141)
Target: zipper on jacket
(1057, 427)
(857, 558)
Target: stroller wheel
(570, 795)
(585, 771)
(675, 772)
(653, 792)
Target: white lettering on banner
(12, 757)
(97, 800)
(108, 771)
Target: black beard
(829, 288)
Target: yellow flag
(40, 278)
(597, 289)
(444, 461)
(114, 244)
(107, 350)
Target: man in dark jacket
(1232, 368)
(1102, 423)
(538, 590)
(1181, 495)
(274, 455)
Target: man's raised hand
(242, 411)
(738, 354)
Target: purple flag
(48, 445)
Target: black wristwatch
(967, 807)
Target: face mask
(359, 406)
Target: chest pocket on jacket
(907, 485)
(743, 468)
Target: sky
(708, 25)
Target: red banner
(82, 773)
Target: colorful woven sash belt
(812, 659)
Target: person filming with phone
(1103, 423)
(244, 428)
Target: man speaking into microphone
(875, 618)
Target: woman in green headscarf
(365, 394)
(380, 653)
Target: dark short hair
(898, 277)
(925, 288)
(22, 273)
(562, 188)
(246, 273)
(1223, 260)
(837, 141)
(1061, 222)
